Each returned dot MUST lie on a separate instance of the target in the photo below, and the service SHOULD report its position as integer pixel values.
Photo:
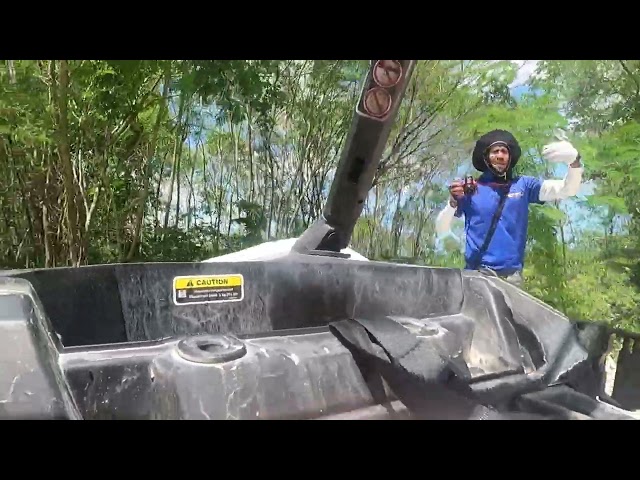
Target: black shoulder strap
(430, 385)
(492, 229)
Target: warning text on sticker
(208, 282)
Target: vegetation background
(122, 161)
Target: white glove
(560, 152)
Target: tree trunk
(142, 198)
(60, 95)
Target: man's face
(499, 158)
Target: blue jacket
(506, 251)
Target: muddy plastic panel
(113, 304)
(82, 304)
(129, 303)
(32, 386)
(295, 375)
(112, 342)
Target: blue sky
(517, 92)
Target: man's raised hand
(560, 152)
(456, 189)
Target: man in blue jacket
(496, 208)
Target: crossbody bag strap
(492, 229)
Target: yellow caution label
(209, 281)
(194, 289)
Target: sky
(525, 70)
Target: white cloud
(526, 68)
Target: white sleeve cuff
(444, 218)
(561, 189)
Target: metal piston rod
(376, 111)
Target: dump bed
(251, 340)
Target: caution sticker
(194, 289)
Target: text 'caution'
(196, 289)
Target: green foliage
(181, 160)
(253, 221)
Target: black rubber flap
(431, 385)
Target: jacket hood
(483, 144)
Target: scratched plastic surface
(105, 342)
